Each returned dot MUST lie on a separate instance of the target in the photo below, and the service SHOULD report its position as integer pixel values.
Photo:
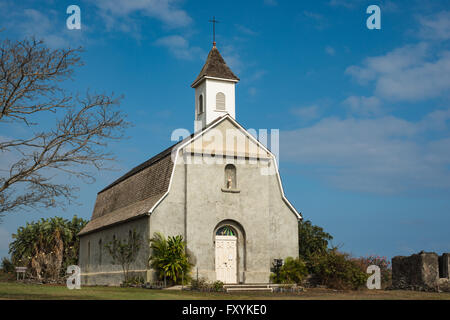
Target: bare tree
(125, 252)
(31, 89)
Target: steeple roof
(216, 67)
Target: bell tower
(214, 90)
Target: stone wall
(420, 272)
(444, 265)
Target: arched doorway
(226, 254)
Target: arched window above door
(226, 231)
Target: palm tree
(46, 246)
(169, 257)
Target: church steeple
(216, 67)
(214, 90)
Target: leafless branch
(30, 77)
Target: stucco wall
(169, 216)
(209, 89)
(270, 227)
(212, 88)
(283, 223)
(106, 273)
(197, 205)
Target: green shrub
(133, 281)
(202, 285)
(292, 271)
(217, 286)
(7, 265)
(382, 262)
(336, 270)
(199, 284)
(312, 239)
(169, 258)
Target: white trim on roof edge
(227, 116)
(196, 83)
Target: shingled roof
(215, 66)
(132, 195)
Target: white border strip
(212, 78)
(110, 272)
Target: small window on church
(230, 177)
(200, 104)
(220, 101)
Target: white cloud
(330, 51)
(384, 155)
(436, 120)
(386, 5)
(394, 61)
(319, 21)
(349, 4)
(232, 58)
(166, 11)
(409, 73)
(257, 75)
(43, 26)
(252, 91)
(307, 113)
(246, 30)
(180, 47)
(270, 3)
(364, 106)
(436, 26)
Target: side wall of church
(198, 203)
(283, 222)
(97, 267)
(168, 218)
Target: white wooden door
(226, 259)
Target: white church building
(219, 188)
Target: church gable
(211, 141)
(226, 138)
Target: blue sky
(363, 114)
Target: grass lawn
(14, 290)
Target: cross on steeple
(214, 21)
